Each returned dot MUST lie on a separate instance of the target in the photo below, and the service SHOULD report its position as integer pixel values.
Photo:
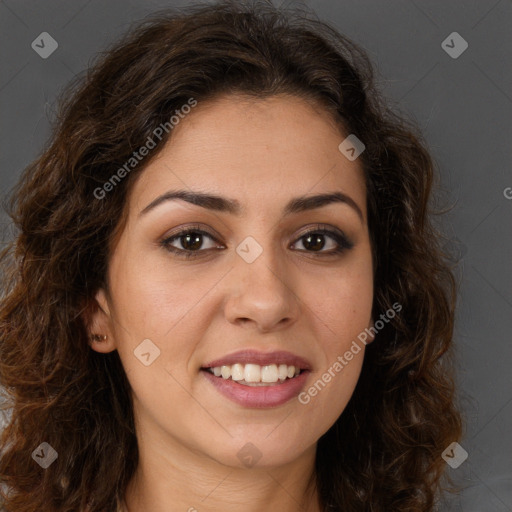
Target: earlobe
(99, 324)
(98, 342)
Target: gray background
(464, 108)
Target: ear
(99, 324)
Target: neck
(230, 494)
(191, 482)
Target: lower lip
(258, 396)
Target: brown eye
(315, 242)
(188, 243)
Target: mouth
(257, 379)
(254, 374)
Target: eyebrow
(232, 206)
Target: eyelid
(319, 227)
(343, 242)
(339, 237)
(196, 228)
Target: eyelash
(343, 243)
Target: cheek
(342, 309)
(150, 296)
(330, 389)
(340, 320)
(343, 304)
(166, 306)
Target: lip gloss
(259, 397)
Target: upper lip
(260, 358)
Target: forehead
(261, 151)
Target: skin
(262, 153)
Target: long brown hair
(384, 451)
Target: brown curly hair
(384, 451)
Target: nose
(261, 293)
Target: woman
(226, 291)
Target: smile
(256, 379)
(256, 375)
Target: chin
(259, 449)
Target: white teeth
(237, 372)
(251, 374)
(225, 371)
(269, 373)
(283, 371)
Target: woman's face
(263, 290)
